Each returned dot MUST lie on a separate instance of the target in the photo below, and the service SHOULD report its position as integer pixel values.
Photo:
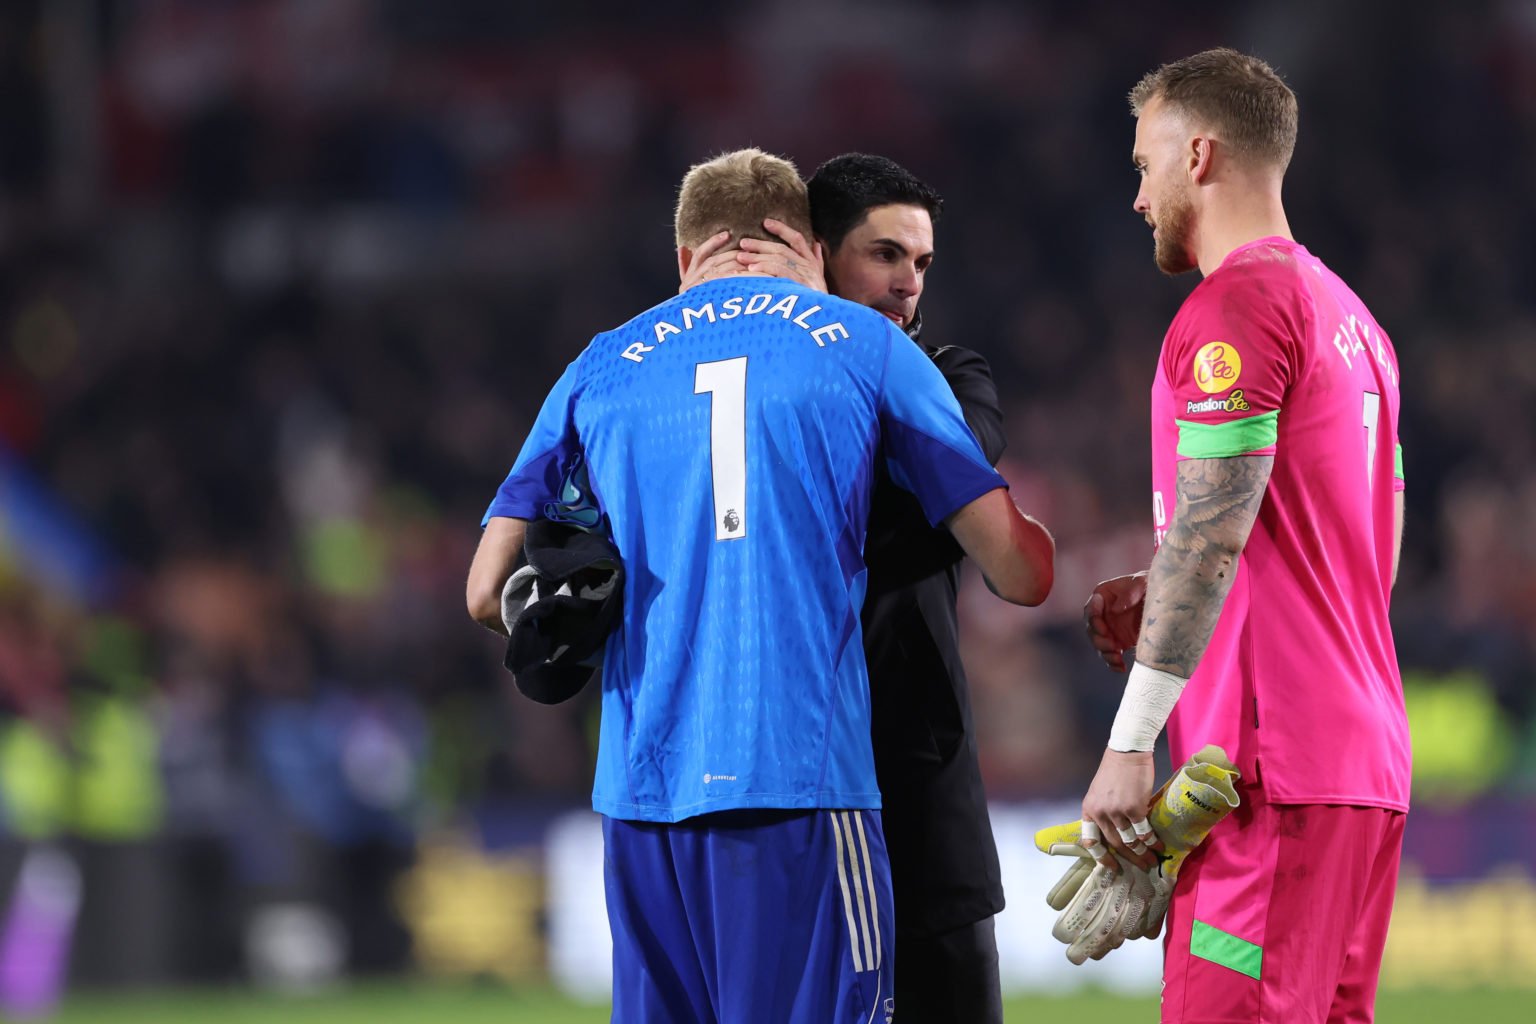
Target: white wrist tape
(1144, 709)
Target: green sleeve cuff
(1224, 440)
(1397, 464)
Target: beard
(1175, 224)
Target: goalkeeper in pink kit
(1261, 626)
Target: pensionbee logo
(1217, 367)
(1235, 402)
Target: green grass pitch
(491, 1004)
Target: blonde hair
(1240, 96)
(734, 192)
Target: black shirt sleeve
(901, 547)
(970, 378)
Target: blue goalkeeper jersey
(730, 437)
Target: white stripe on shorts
(869, 879)
(860, 887)
(842, 879)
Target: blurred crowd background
(283, 282)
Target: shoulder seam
(885, 364)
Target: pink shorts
(1281, 916)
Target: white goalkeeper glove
(1101, 909)
(1108, 908)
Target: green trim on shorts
(1219, 947)
(1224, 440)
(1397, 464)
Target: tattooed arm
(1192, 571)
(1191, 574)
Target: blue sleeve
(928, 447)
(548, 453)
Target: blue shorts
(746, 916)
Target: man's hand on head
(795, 258)
(709, 262)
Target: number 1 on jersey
(1372, 420)
(726, 384)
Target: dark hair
(845, 188)
(1237, 94)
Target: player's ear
(684, 261)
(1200, 156)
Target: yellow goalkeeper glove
(1110, 910)
(1066, 840)
(1182, 814)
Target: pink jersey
(1272, 354)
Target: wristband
(1144, 708)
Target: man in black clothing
(873, 222)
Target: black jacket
(944, 865)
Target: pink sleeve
(1231, 357)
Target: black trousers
(949, 978)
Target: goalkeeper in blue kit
(875, 223)
(731, 437)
